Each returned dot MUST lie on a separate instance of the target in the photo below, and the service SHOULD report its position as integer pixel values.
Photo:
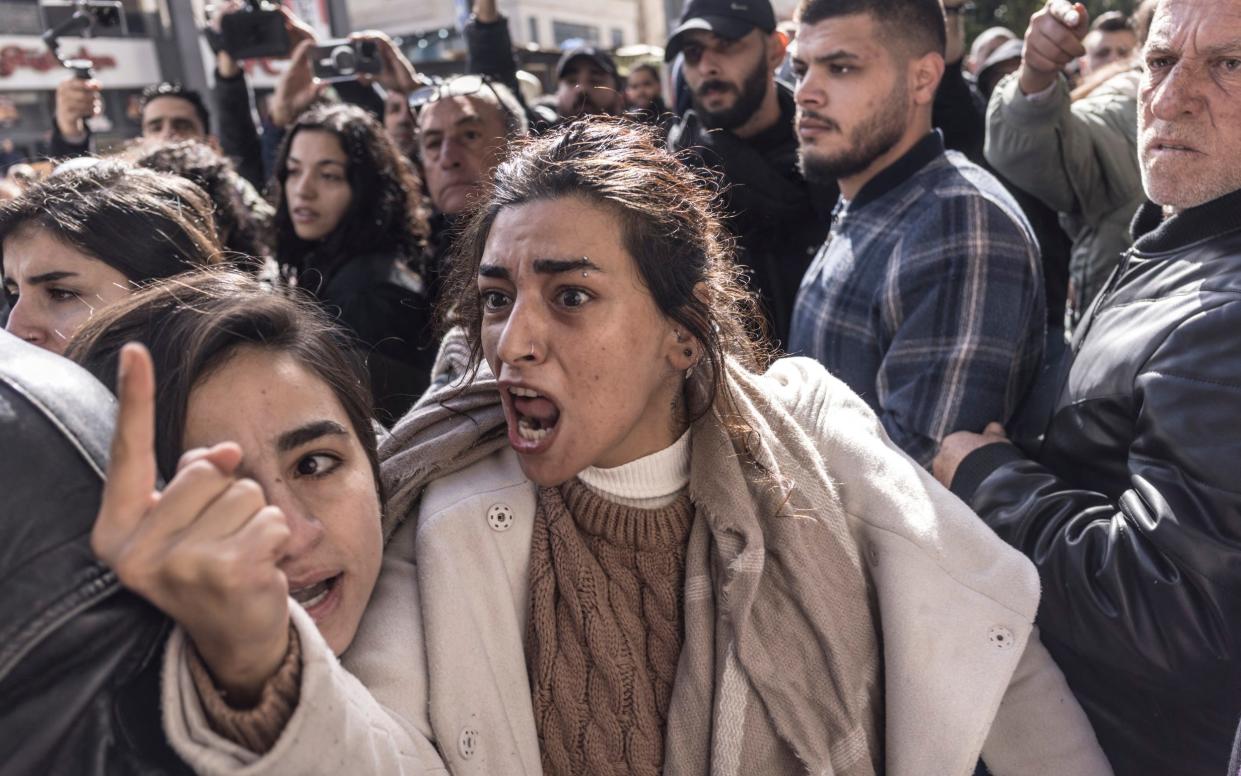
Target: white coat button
(467, 743)
(1000, 637)
(500, 517)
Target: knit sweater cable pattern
(605, 629)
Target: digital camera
(343, 60)
(256, 32)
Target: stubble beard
(872, 138)
(1180, 186)
(749, 99)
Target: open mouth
(535, 419)
(314, 597)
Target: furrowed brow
(1223, 51)
(559, 266)
(836, 56)
(291, 440)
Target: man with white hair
(1130, 506)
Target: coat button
(467, 743)
(1000, 637)
(500, 517)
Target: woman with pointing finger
(260, 423)
(629, 544)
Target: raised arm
(489, 46)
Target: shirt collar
(925, 151)
(1189, 227)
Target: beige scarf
(781, 665)
(781, 669)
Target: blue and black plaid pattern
(928, 302)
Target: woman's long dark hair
(144, 224)
(382, 216)
(670, 226)
(195, 322)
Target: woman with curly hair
(347, 230)
(242, 218)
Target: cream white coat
(441, 683)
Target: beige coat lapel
(473, 561)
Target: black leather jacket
(79, 656)
(1132, 507)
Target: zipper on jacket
(1109, 288)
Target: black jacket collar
(925, 151)
(1198, 224)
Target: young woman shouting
(630, 546)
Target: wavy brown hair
(144, 224)
(193, 323)
(198, 162)
(669, 224)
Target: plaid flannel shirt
(927, 299)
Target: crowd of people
(840, 396)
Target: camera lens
(344, 60)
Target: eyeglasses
(957, 10)
(458, 86)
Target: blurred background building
(161, 41)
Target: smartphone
(344, 60)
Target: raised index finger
(131, 466)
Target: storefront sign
(120, 63)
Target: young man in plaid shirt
(927, 298)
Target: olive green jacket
(1080, 158)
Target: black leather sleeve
(1149, 581)
(239, 135)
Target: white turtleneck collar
(652, 482)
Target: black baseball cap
(730, 19)
(600, 57)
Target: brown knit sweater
(605, 629)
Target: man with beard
(1130, 505)
(588, 83)
(741, 127)
(927, 298)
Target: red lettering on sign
(14, 58)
